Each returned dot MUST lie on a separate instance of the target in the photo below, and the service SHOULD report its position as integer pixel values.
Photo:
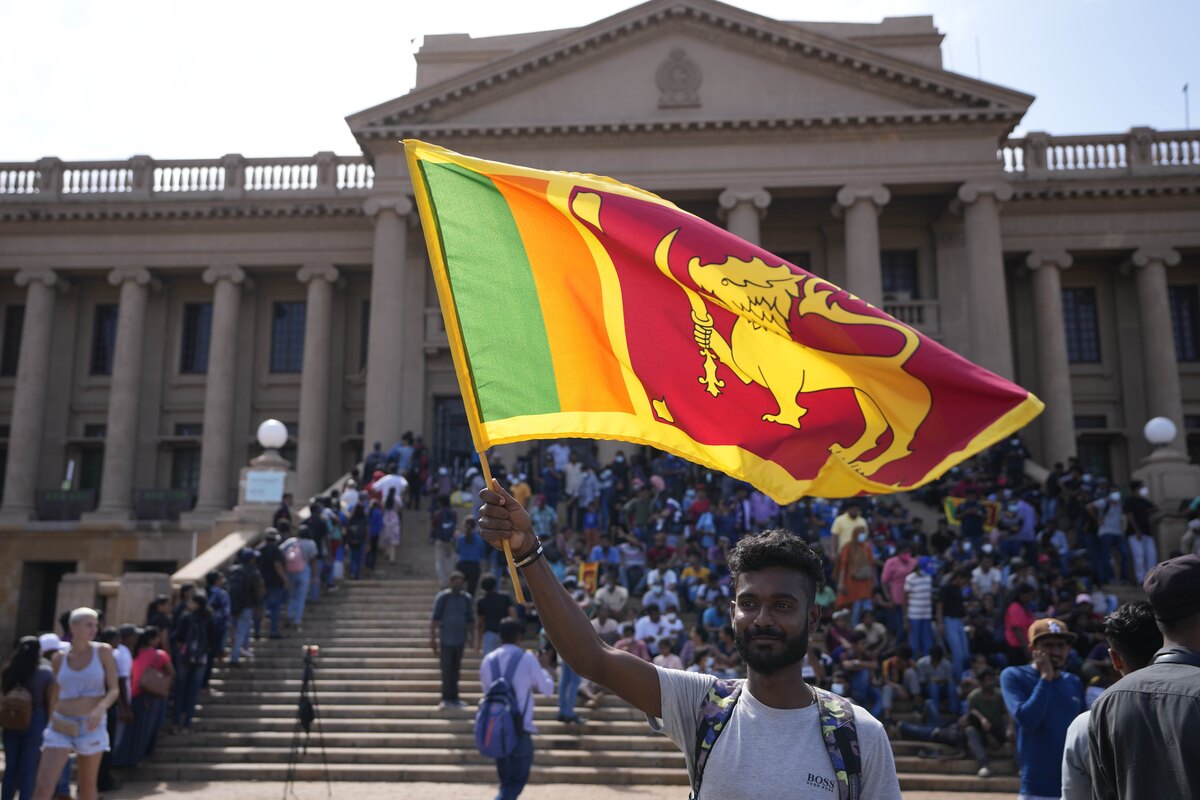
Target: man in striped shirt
(918, 587)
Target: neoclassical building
(154, 312)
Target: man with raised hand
(727, 730)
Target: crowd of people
(921, 615)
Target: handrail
(1140, 151)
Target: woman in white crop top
(85, 686)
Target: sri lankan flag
(577, 306)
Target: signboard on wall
(264, 486)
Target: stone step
(414, 755)
(460, 724)
(421, 707)
(427, 740)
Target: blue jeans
(187, 692)
(920, 636)
(356, 561)
(513, 769)
(298, 593)
(1107, 542)
(567, 690)
(314, 585)
(274, 602)
(956, 640)
(864, 693)
(490, 642)
(241, 633)
(22, 749)
(857, 609)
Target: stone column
(120, 441)
(1164, 397)
(987, 291)
(1054, 373)
(861, 205)
(315, 380)
(29, 398)
(220, 388)
(385, 368)
(743, 210)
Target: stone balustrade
(143, 178)
(1140, 151)
(923, 315)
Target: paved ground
(429, 791)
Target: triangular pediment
(668, 61)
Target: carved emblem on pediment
(678, 80)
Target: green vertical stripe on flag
(499, 314)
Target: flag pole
(508, 557)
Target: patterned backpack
(837, 729)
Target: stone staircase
(378, 687)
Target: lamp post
(1169, 477)
(272, 435)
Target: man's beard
(794, 650)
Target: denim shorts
(84, 743)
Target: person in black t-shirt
(271, 565)
(490, 610)
(951, 609)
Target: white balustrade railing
(924, 315)
(231, 176)
(1140, 151)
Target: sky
(91, 80)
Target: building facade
(154, 312)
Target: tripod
(308, 711)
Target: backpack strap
(715, 713)
(841, 740)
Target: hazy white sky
(84, 79)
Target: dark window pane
(800, 258)
(14, 320)
(189, 429)
(1090, 421)
(1081, 320)
(185, 468)
(287, 337)
(1185, 321)
(104, 338)
(95, 430)
(1095, 456)
(197, 330)
(899, 273)
(364, 334)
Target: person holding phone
(85, 687)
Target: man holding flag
(828, 747)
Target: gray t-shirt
(455, 612)
(1076, 769)
(769, 752)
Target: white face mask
(1115, 497)
(1144, 491)
(838, 688)
(862, 537)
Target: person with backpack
(299, 561)
(192, 644)
(504, 724)
(443, 523)
(25, 687)
(734, 734)
(246, 591)
(391, 525)
(275, 579)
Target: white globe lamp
(272, 434)
(1160, 431)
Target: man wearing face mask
(1110, 524)
(1043, 701)
(1139, 511)
(855, 575)
(733, 747)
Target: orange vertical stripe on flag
(586, 371)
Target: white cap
(50, 643)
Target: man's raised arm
(569, 630)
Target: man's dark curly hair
(1132, 632)
(777, 548)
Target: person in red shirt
(1017, 619)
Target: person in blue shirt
(471, 549)
(1043, 702)
(606, 552)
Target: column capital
(400, 205)
(1145, 256)
(47, 277)
(224, 272)
(311, 272)
(1049, 258)
(971, 191)
(138, 275)
(729, 199)
(875, 193)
